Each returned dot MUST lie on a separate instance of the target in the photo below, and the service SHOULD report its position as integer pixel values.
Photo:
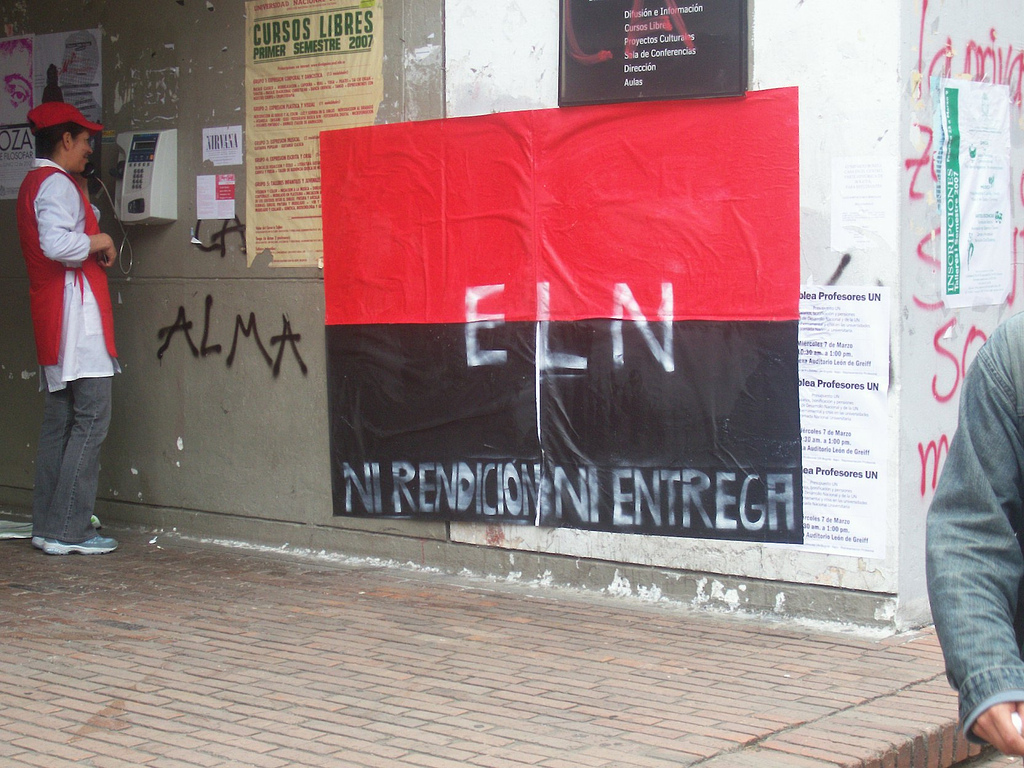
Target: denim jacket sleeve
(974, 561)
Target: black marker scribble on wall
(181, 323)
(287, 335)
(203, 348)
(248, 329)
(843, 264)
(218, 240)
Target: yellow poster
(311, 66)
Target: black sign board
(639, 50)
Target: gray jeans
(75, 421)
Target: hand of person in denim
(995, 725)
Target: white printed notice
(215, 196)
(844, 381)
(863, 216)
(311, 66)
(223, 146)
(972, 163)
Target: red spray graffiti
(987, 60)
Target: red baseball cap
(51, 113)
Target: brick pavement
(174, 653)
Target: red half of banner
(666, 210)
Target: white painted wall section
(500, 56)
(981, 40)
(845, 60)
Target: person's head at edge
(62, 134)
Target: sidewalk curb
(907, 729)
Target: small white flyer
(844, 383)
(223, 146)
(215, 196)
(863, 214)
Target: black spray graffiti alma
(247, 329)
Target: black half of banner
(686, 428)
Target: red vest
(46, 276)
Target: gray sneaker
(37, 542)
(97, 545)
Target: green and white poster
(972, 165)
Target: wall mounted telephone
(147, 191)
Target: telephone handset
(89, 173)
(147, 190)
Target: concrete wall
(844, 57)
(195, 443)
(985, 40)
(237, 451)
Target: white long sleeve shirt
(61, 217)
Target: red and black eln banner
(582, 317)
